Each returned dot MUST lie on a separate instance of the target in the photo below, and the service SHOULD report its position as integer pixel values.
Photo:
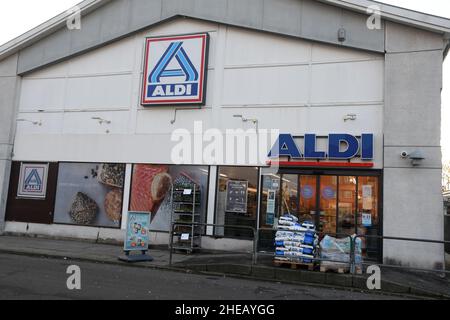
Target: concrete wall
(412, 120)
(9, 83)
(115, 236)
(330, 82)
(314, 90)
(290, 84)
(307, 19)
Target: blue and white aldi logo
(175, 70)
(33, 181)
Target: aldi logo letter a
(33, 182)
(175, 70)
(175, 50)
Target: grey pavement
(38, 278)
(211, 263)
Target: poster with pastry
(151, 189)
(150, 185)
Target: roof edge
(46, 28)
(389, 12)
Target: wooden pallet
(334, 269)
(293, 265)
(339, 269)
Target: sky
(19, 16)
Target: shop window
(347, 205)
(90, 194)
(151, 190)
(308, 199)
(270, 200)
(368, 215)
(237, 200)
(270, 208)
(290, 194)
(328, 196)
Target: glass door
(347, 205)
(368, 220)
(289, 197)
(308, 198)
(328, 204)
(337, 204)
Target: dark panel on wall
(29, 210)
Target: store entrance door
(338, 204)
(317, 201)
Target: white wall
(289, 84)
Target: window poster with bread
(90, 194)
(151, 187)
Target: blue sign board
(341, 146)
(175, 70)
(328, 193)
(307, 192)
(33, 181)
(137, 232)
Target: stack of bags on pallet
(338, 251)
(294, 241)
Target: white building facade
(73, 106)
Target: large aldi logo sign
(175, 70)
(33, 181)
(338, 147)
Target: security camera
(405, 154)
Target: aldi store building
(103, 120)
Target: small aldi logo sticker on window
(175, 70)
(33, 181)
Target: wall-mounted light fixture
(101, 120)
(350, 117)
(254, 121)
(181, 109)
(36, 123)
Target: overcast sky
(19, 16)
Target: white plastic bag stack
(294, 241)
(338, 250)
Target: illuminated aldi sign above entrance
(340, 146)
(175, 70)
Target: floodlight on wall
(350, 117)
(36, 123)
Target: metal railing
(382, 238)
(352, 264)
(213, 225)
